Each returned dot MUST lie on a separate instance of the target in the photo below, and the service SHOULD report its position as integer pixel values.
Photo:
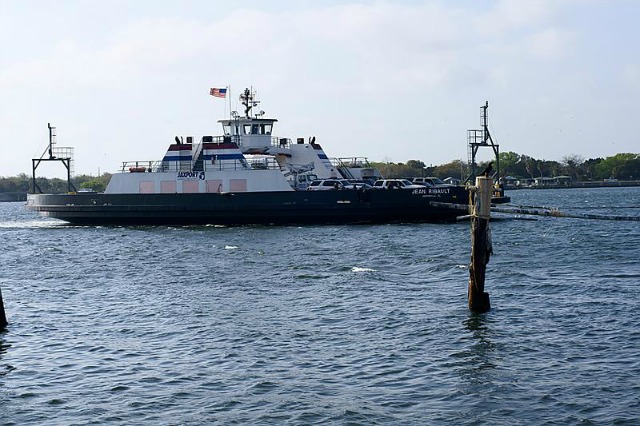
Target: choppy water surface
(323, 324)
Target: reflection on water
(4, 347)
(481, 354)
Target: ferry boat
(244, 176)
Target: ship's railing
(220, 139)
(139, 166)
(222, 165)
(267, 163)
(280, 142)
(276, 141)
(359, 162)
(263, 163)
(62, 152)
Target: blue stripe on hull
(176, 158)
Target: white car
(329, 184)
(396, 184)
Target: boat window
(254, 129)
(247, 129)
(227, 129)
(265, 129)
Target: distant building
(552, 182)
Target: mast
(248, 100)
(61, 154)
(482, 138)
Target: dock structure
(3, 316)
(481, 248)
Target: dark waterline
(327, 324)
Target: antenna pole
(229, 93)
(50, 140)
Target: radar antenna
(248, 100)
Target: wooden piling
(3, 316)
(480, 245)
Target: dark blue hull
(286, 207)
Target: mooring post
(3, 316)
(480, 244)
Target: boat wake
(29, 224)
(357, 269)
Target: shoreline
(13, 196)
(588, 184)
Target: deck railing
(266, 163)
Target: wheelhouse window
(251, 129)
(265, 129)
(227, 129)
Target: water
(323, 324)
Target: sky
(388, 80)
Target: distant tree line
(22, 183)
(619, 166)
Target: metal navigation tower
(479, 138)
(62, 154)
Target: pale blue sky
(390, 80)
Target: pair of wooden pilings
(481, 249)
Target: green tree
(613, 167)
(631, 169)
(509, 163)
(416, 164)
(571, 165)
(455, 169)
(588, 168)
(20, 183)
(94, 183)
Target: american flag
(218, 93)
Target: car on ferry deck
(431, 181)
(329, 184)
(395, 184)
